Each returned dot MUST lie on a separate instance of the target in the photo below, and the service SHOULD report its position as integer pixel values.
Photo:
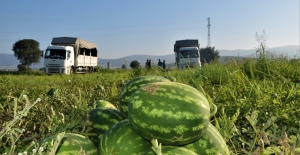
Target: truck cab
(187, 53)
(59, 59)
(188, 57)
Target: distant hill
(290, 50)
(9, 61)
(117, 63)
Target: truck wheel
(72, 70)
(87, 70)
(91, 69)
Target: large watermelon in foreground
(121, 139)
(210, 143)
(72, 144)
(172, 150)
(173, 113)
(100, 120)
(129, 88)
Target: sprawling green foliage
(258, 109)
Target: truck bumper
(181, 67)
(57, 70)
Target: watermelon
(171, 78)
(53, 92)
(210, 143)
(172, 150)
(173, 113)
(101, 103)
(100, 120)
(99, 87)
(71, 144)
(129, 88)
(121, 139)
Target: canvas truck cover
(185, 43)
(77, 43)
(73, 42)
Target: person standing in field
(146, 65)
(164, 65)
(159, 63)
(149, 64)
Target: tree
(28, 52)
(23, 67)
(209, 54)
(134, 64)
(124, 66)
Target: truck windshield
(189, 54)
(55, 54)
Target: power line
(126, 33)
(231, 31)
(220, 23)
(110, 27)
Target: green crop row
(258, 102)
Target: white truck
(67, 55)
(187, 53)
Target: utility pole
(208, 34)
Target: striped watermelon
(71, 144)
(171, 78)
(121, 139)
(173, 113)
(172, 150)
(129, 88)
(100, 120)
(99, 87)
(53, 92)
(210, 143)
(101, 103)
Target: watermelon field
(257, 105)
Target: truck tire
(88, 70)
(91, 69)
(72, 70)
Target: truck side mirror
(42, 52)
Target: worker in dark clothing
(146, 65)
(160, 64)
(164, 65)
(149, 63)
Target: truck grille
(53, 70)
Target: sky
(137, 27)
